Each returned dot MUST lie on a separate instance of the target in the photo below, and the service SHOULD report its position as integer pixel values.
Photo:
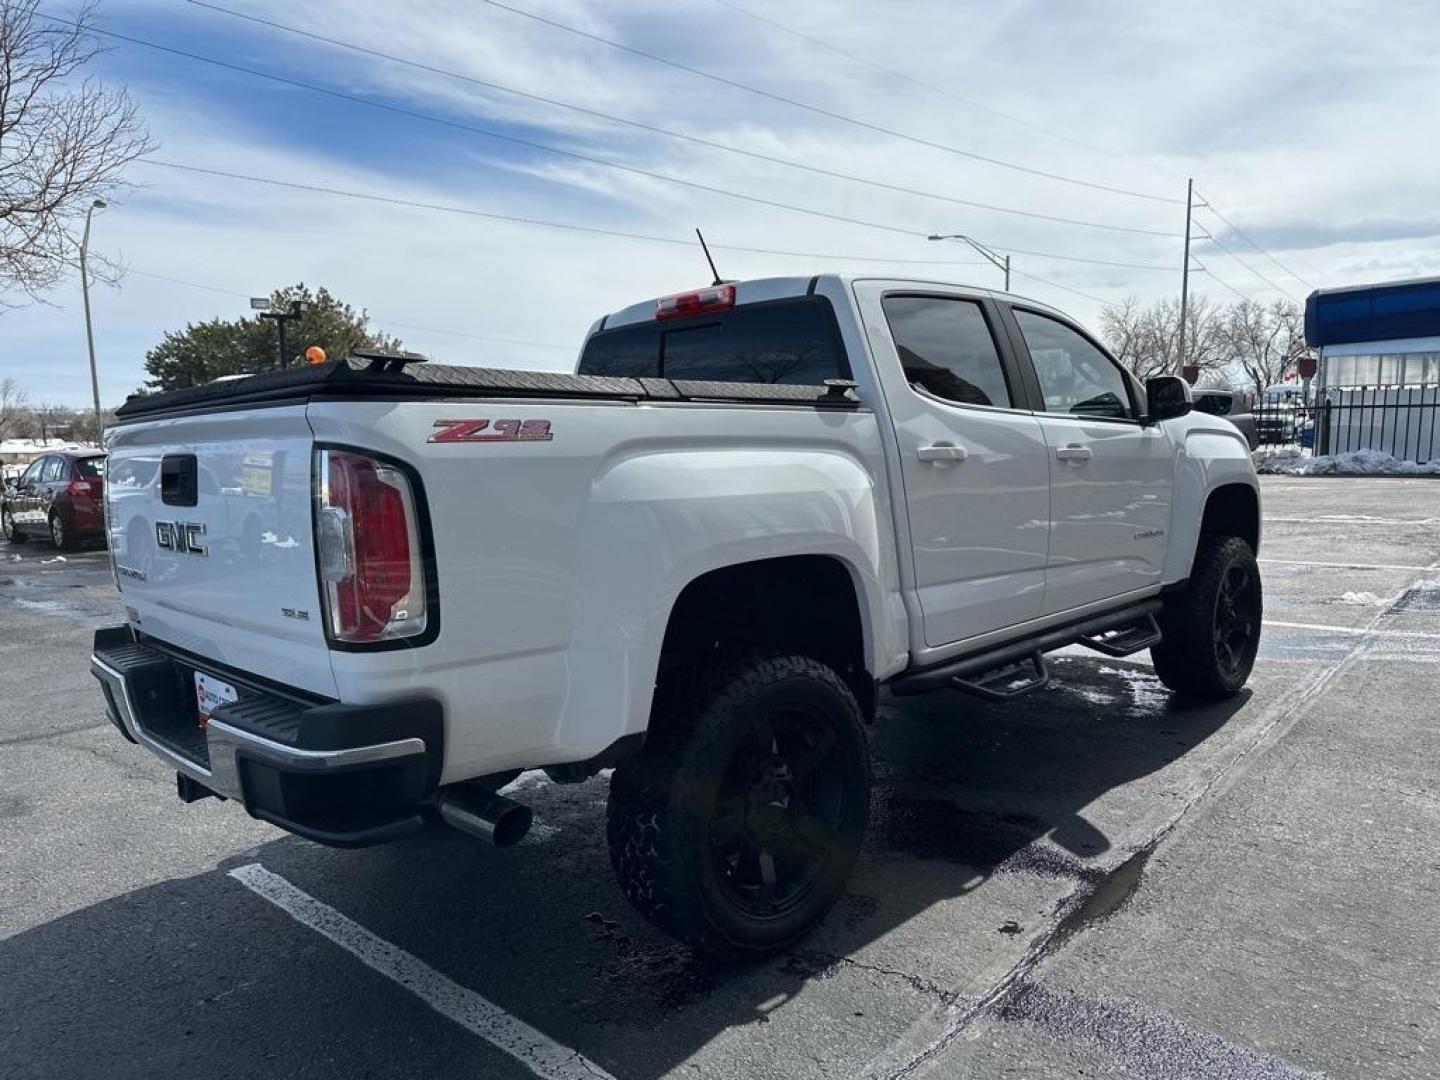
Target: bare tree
(12, 406)
(1147, 339)
(64, 141)
(1264, 342)
(53, 421)
(84, 429)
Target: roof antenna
(706, 248)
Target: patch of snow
(1292, 461)
(1363, 599)
(57, 558)
(49, 607)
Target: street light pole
(293, 312)
(1000, 262)
(98, 204)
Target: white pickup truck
(365, 594)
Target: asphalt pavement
(1095, 881)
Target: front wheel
(1212, 629)
(737, 828)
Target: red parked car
(62, 495)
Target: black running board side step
(975, 665)
(1125, 640)
(1008, 682)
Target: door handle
(942, 454)
(1077, 454)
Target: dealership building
(1378, 377)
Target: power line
(915, 81)
(532, 144)
(1202, 268)
(1205, 202)
(1280, 289)
(683, 136)
(378, 318)
(618, 233)
(829, 113)
(1057, 285)
(513, 219)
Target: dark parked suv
(60, 494)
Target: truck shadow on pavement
(969, 797)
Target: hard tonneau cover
(366, 379)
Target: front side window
(1075, 376)
(1214, 404)
(946, 349)
(32, 474)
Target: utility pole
(1000, 262)
(1185, 271)
(98, 204)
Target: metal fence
(1400, 421)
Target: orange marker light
(314, 355)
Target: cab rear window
(789, 342)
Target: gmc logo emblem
(184, 537)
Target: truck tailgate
(210, 529)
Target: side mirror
(1166, 397)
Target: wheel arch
(808, 604)
(1233, 510)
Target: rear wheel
(738, 827)
(60, 534)
(1212, 629)
(12, 531)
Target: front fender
(1210, 457)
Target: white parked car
(697, 560)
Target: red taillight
(367, 540)
(715, 298)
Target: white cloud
(1289, 113)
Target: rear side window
(54, 470)
(946, 349)
(788, 342)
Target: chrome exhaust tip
(485, 815)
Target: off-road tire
(11, 530)
(662, 803)
(1188, 660)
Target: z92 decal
(485, 431)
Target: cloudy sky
(1304, 124)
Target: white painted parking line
(1350, 630)
(539, 1053)
(1358, 519)
(1341, 565)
